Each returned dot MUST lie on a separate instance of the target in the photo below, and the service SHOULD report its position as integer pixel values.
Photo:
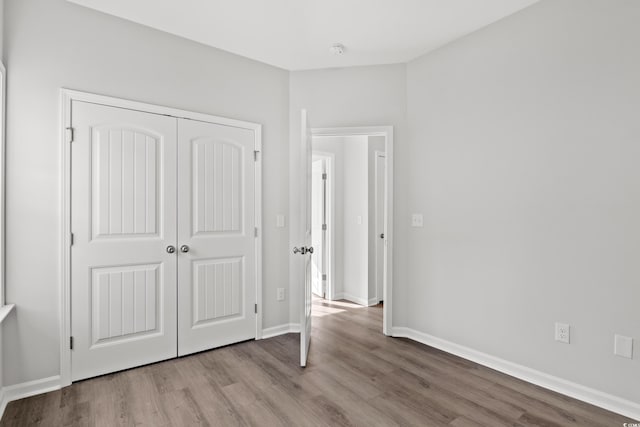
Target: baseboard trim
(373, 301)
(598, 398)
(338, 296)
(274, 331)
(356, 300)
(30, 388)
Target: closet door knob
(184, 249)
(171, 249)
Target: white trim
(30, 388)
(376, 155)
(258, 224)
(607, 401)
(373, 301)
(337, 296)
(274, 331)
(330, 170)
(387, 132)
(67, 96)
(356, 300)
(5, 310)
(3, 115)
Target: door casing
(67, 96)
(387, 132)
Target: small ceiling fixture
(337, 49)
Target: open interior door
(306, 250)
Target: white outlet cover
(280, 221)
(416, 220)
(280, 294)
(623, 346)
(359, 220)
(563, 333)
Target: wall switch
(280, 294)
(563, 332)
(623, 346)
(416, 220)
(280, 221)
(359, 220)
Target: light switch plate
(623, 346)
(416, 220)
(280, 221)
(359, 220)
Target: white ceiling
(297, 34)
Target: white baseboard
(274, 331)
(373, 301)
(607, 401)
(338, 296)
(30, 388)
(355, 299)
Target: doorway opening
(350, 219)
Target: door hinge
(324, 176)
(71, 343)
(255, 155)
(324, 227)
(70, 134)
(256, 308)
(324, 277)
(255, 231)
(71, 239)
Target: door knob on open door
(303, 251)
(382, 236)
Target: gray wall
(359, 96)
(51, 44)
(523, 154)
(355, 205)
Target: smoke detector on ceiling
(337, 49)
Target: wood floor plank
(355, 376)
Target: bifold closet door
(216, 220)
(123, 276)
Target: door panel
(123, 217)
(216, 211)
(305, 317)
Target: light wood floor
(356, 376)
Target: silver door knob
(184, 249)
(382, 236)
(303, 251)
(171, 249)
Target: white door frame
(377, 155)
(387, 132)
(330, 160)
(67, 96)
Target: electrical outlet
(563, 332)
(280, 294)
(623, 346)
(416, 220)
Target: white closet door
(217, 260)
(123, 280)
